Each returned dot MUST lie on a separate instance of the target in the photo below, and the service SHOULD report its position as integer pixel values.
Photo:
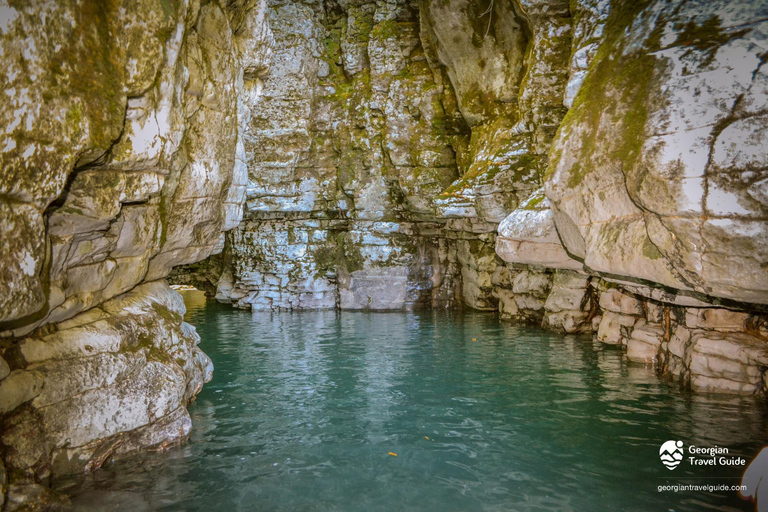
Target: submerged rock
(24, 497)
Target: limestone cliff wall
(659, 170)
(122, 156)
(653, 189)
(590, 166)
(530, 157)
(390, 141)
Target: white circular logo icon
(671, 454)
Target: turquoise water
(304, 409)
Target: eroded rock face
(391, 141)
(656, 174)
(133, 165)
(397, 155)
(345, 154)
(111, 380)
(653, 184)
(123, 157)
(420, 155)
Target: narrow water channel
(306, 412)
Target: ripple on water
(304, 409)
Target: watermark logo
(671, 454)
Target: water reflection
(305, 407)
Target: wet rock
(644, 343)
(507, 304)
(130, 376)
(3, 483)
(721, 362)
(30, 496)
(615, 328)
(396, 155)
(569, 321)
(522, 297)
(563, 307)
(374, 289)
(119, 179)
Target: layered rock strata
(590, 166)
(122, 157)
(390, 142)
(653, 188)
(535, 158)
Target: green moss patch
(611, 109)
(90, 63)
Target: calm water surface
(304, 409)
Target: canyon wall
(391, 140)
(122, 156)
(588, 166)
(656, 187)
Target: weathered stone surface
(563, 307)
(3, 483)
(679, 341)
(532, 283)
(721, 362)
(589, 18)
(122, 381)
(561, 299)
(570, 280)
(76, 376)
(4, 369)
(374, 116)
(374, 289)
(19, 387)
(29, 496)
(569, 321)
(644, 344)
(521, 293)
(124, 128)
(614, 328)
(715, 318)
(351, 144)
(729, 372)
(397, 155)
(507, 305)
(614, 300)
(664, 196)
(528, 236)
(132, 173)
(90, 339)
